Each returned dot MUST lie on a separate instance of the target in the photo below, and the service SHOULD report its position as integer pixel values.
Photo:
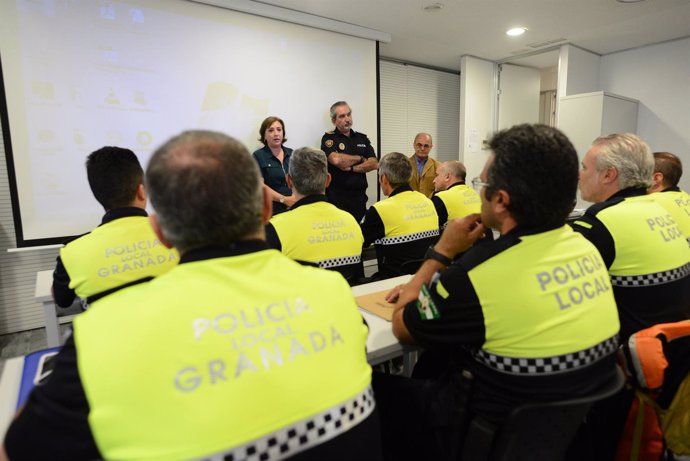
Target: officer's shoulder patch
(330, 132)
(329, 143)
(425, 305)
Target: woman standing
(274, 161)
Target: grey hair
(308, 170)
(337, 104)
(629, 155)
(206, 190)
(456, 169)
(397, 169)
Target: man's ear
(384, 180)
(610, 175)
(153, 219)
(267, 207)
(328, 180)
(141, 192)
(290, 182)
(500, 201)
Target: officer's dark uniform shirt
(54, 424)
(274, 173)
(392, 252)
(503, 323)
(348, 190)
(647, 297)
(64, 295)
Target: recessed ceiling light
(515, 31)
(433, 7)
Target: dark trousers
(352, 201)
(420, 419)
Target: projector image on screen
(79, 75)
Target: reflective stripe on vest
(197, 353)
(678, 204)
(319, 233)
(548, 365)
(406, 217)
(647, 241)
(460, 201)
(302, 435)
(559, 288)
(114, 254)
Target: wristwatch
(352, 168)
(282, 199)
(436, 256)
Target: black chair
(534, 431)
(411, 266)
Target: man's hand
(342, 160)
(459, 235)
(289, 201)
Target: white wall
(659, 77)
(549, 79)
(477, 105)
(518, 101)
(578, 71)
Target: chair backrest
(411, 266)
(534, 431)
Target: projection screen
(82, 74)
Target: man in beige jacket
(423, 166)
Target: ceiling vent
(537, 45)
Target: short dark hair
(397, 168)
(114, 175)
(670, 166)
(206, 190)
(309, 170)
(538, 166)
(268, 121)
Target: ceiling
(477, 27)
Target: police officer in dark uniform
(350, 157)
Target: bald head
(206, 190)
(449, 173)
(422, 145)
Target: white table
(382, 345)
(44, 295)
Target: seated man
(313, 230)
(205, 362)
(452, 197)
(646, 254)
(404, 225)
(514, 312)
(667, 172)
(121, 251)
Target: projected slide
(79, 75)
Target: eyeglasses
(478, 184)
(422, 146)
